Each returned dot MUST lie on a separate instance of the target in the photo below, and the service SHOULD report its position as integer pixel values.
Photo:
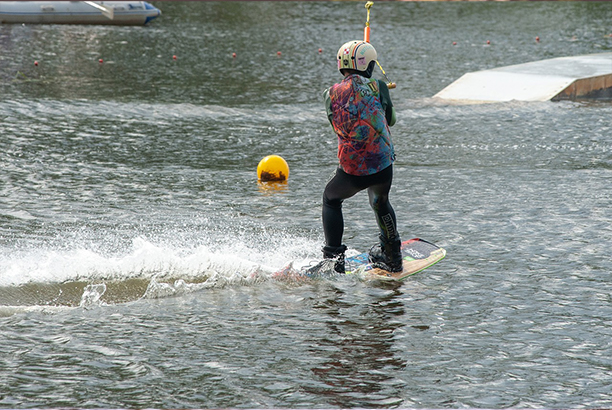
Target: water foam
(80, 276)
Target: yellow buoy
(273, 168)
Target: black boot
(387, 255)
(337, 253)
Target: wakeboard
(418, 255)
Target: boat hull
(126, 13)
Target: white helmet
(356, 55)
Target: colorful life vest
(358, 118)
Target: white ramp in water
(565, 78)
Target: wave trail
(82, 277)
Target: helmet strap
(368, 72)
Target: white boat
(126, 13)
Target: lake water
(136, 245)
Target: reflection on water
(272, 187)
(358, 355)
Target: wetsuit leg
(337, 190)
(379, 201)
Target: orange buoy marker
(272, 168)
(366, 33)
(366, 29)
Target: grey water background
(136, 245)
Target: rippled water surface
(136, 245)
